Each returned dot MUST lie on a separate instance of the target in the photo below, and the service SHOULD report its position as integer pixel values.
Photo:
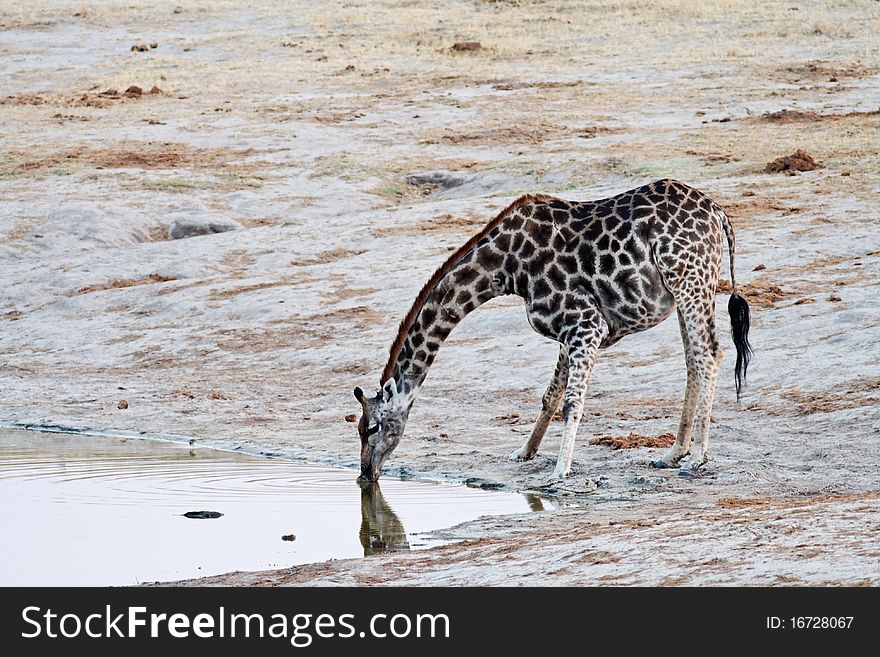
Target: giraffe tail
(740, 315)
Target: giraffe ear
(359, 395)
(389, 390)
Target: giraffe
(590, 273)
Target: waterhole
(80, 510)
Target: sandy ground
(299, 127)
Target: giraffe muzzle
(368, 475)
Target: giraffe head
(380, 427)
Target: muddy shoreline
(230, 255)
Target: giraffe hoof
(660, 464)
(520, 456)
(692, 467)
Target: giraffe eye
(373, 429)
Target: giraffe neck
(469, 284)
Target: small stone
(351, 418)
(122, 405)
(134, 90)
(155, 90)
(834, 297)
(154, 45)
(288, 537)
(140, 47)
(203, 515)
(760, 268)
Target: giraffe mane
(410, 317)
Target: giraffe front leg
(582, 348)
(549, 404)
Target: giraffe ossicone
(590, 273)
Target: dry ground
(300, 124)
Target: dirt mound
(635, 440)
(466, 46)
(800, 160)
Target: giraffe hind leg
(549, 405)
(682, 445)
(699, 320)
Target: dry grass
(125, 282)
(856, 394)
(634, 440)
(125, 155)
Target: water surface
(79, 510)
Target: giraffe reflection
(381, 529)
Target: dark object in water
(378, 544)
(288, 537)
(476, 482)
(202, 515)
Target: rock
(134, 90)
(154, 45)
(203, 515)
(140, 47)
(435, 179)
(476, 482)
(123, 404)
(288, 537)
(760, 268)
(351, 418)
(155, 90)
(194, 227)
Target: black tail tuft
(739, 328)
